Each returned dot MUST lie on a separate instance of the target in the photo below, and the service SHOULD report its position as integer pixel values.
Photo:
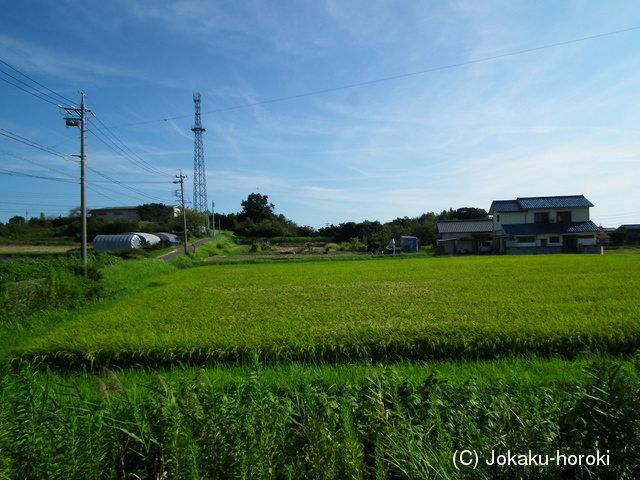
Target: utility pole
(76, 118)
(213, 217)
(184, 212)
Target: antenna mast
(199, 175)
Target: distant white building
(111, 214)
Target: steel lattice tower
(199, 175)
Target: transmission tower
(199, 175)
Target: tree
(195, 221)
(306, 231)
(227, 221)
(470, 213)
(257, 208)
(464, 213)
(154, 212)
(258, 219)
(121, 225)
(75, 212)
(17, 220)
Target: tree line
(257, 218)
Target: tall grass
(417, 308)
(388, 424)
(30, 309)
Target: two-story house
(544, 225)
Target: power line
(131, 156)
(38, 164)
(105, 196)
(33, 204)
(388, 79)
(621, 215)
(20, 174)
(36, 82)
(25, 90)
(31, 143)
(139, 192)
(48, 98)
(28, 142)
(122, 150)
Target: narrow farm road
(190, 248)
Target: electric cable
(387, 79)
(36, 82)
(131, 156)
(31, 143)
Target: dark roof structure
(483, 225)
(500, 206)
(522, 204)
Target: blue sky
(337, 110)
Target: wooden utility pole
(184, 212)
(76, 118)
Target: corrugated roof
(567, 201)
(550, 228)
(465, 226)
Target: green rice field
(414, 308)
(369, 368)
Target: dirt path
(173, 254)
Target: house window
(554, 239)
(498, 218)
(541, 217)
(117, 213)
(564, 217)
(530, 239)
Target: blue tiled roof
(550, 228)
(568, 201)
(522, 204)
(505, 206)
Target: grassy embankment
(351, 419)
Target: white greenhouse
(169, 237)
(147, 238)
(115, 243)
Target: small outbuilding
(465, 236)
(409, 244)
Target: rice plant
(382, 311)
